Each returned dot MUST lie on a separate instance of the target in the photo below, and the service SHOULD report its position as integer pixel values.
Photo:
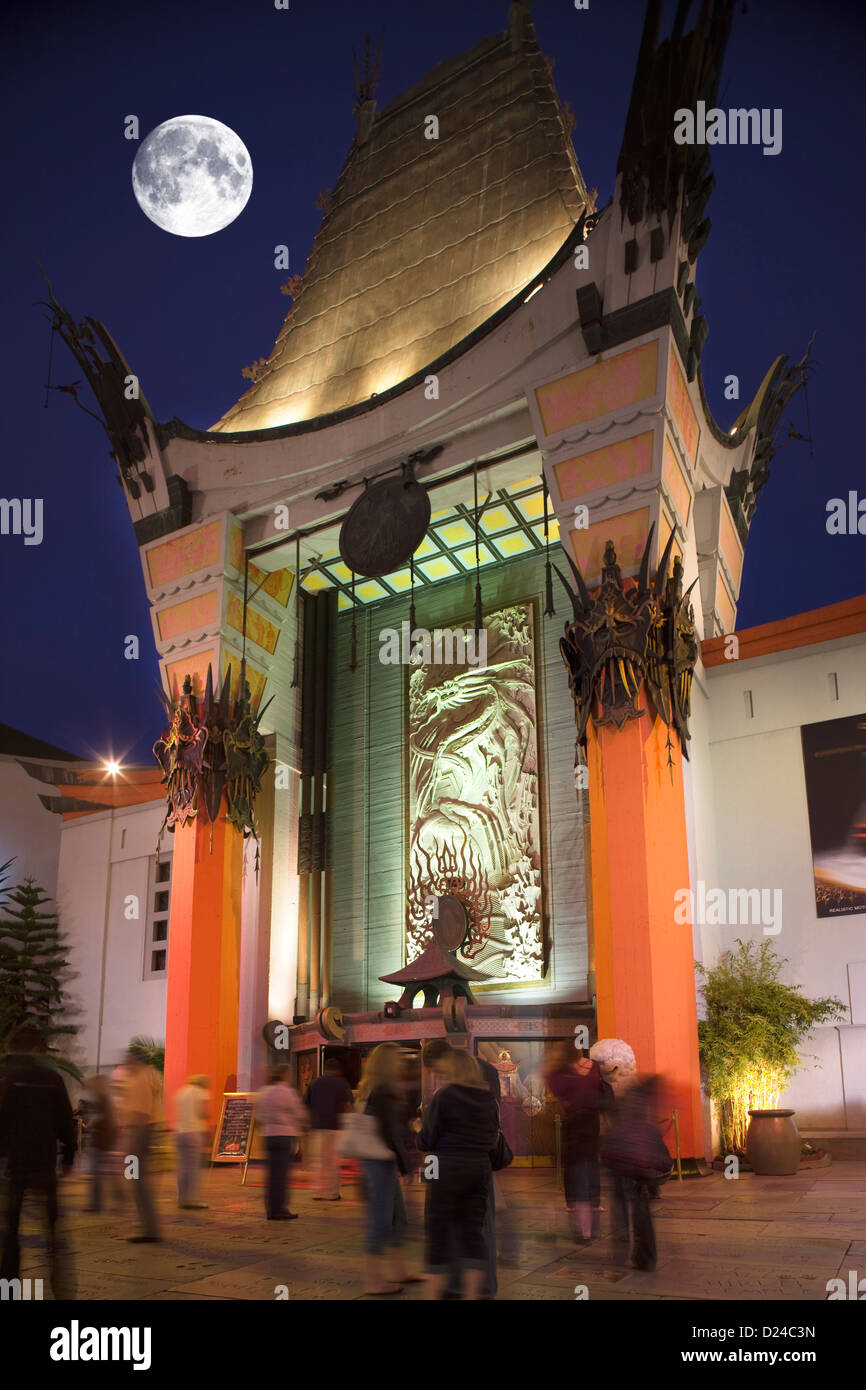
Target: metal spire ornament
(296, 670)
(549, 609)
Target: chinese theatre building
(441, 605)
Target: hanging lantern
(411, 596)
(479, 617)
(353, 638)
(549, 609)
(296, 670)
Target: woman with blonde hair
(380, 1095)
(461, 1128)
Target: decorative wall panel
(474, 801)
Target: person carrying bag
(374, 1132)
(638, 1161)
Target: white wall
(761, 827)
(104, 860)
(28, 832)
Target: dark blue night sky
(785, 257)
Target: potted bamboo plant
(749, 1044)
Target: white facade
(106, 894)
(750, 829)
(29, 833)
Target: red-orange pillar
(644, 960)
(201, 1027)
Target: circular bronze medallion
(385, 526)
(450, 925)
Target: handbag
(360, 1138)
(500, 1154)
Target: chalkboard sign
(235, 1128)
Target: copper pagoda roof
(425, 239)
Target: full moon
(192, 176)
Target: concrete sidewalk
(751, 1238)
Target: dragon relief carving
(473, 791)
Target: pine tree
(4, 875)
(32, 964)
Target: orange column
(644, 961)
(201, 1026)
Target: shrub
(750, 1039)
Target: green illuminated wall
(367, 790)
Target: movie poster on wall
(834, 757)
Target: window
(159, 902)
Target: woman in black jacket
(380, 1095)
(639, 1161)
(460, 1128)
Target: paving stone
(534, 1293)
(757, 1239)
(738, 1282)
(702, 1226)
(820, 1253)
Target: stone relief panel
(474, 826)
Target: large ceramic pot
(773, 1143)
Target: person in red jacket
(575, 1080)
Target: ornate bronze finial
(366, 81)
(208, 753)
(123, 413)
(610, 569)
(621, 639)
(519, 19)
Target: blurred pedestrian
(380, 1096)
(461, 1128)
(576, 1082)
(437, 1057)
(281, 1116)
(327, 1098)
(101, 1137)
(140, 1111)
(638, 1161)
(192, 1128)
(35, 1117)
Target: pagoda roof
(424, 240)
(16, 744)
(432, 964)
